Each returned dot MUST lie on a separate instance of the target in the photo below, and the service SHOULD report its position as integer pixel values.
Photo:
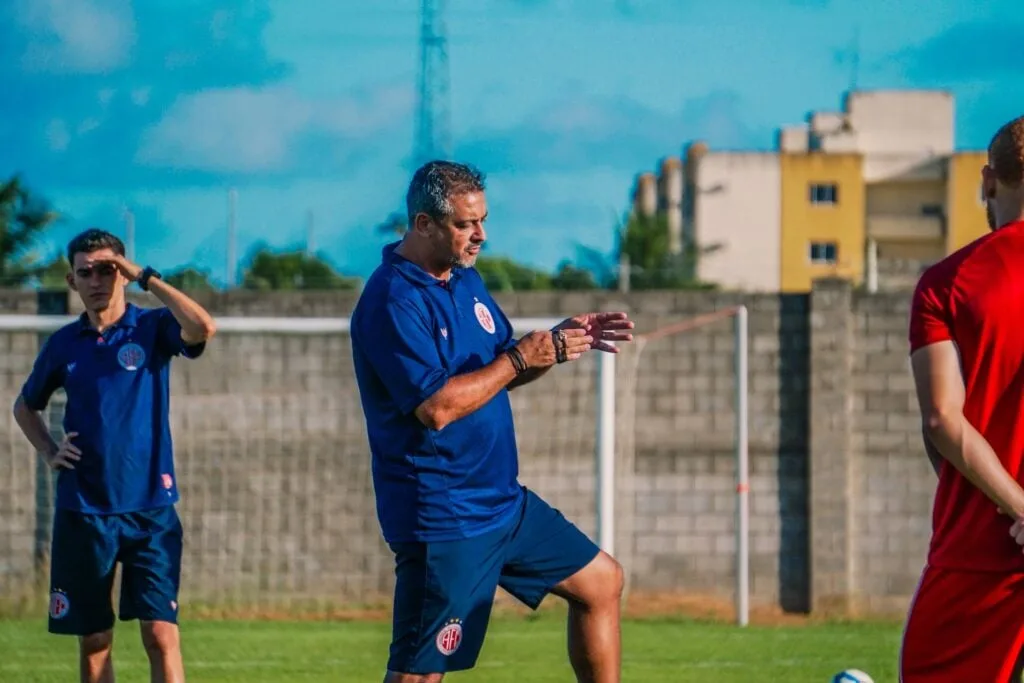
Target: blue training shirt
(411, 332)
(117, 388)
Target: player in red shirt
(966, 620)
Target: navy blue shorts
(86, 548)
(444, 590)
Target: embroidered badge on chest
(483, 316)
(131, 356)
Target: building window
(823, 253)
(821, 193)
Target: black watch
(147, 273)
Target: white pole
(129, 233)
(742, 474)
(872, 264)
(606, 453)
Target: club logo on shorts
(449, 637)
(131, 356)
(166, 480)
(59, 604)
(483, 316)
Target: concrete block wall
(279, 508)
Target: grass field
(518, 650)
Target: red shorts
(963, 627)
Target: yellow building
(874, 193)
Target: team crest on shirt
(449, 637)
(484, 317)
(131, 356)
(59, 604)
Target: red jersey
(975, 297)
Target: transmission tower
(433, 116)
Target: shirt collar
(129, 319)
(413, 272)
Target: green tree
(294, 270)
(644, 241)
(502, 274)
(53, 275)
(23, 218)
(571, 277)
(189, 279)
(395, 225)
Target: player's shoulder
(63, 336)
(943, 274)
(386, 287)
(384, 290)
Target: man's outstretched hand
(602, 328)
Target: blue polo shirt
(410, 333)
(117, 389)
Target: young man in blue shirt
(434, 359)
(116, 488)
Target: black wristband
(518, 362)
(147, 273)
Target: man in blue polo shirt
(116, 487)
(434, 359)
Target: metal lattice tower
(433, 116)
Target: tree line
(640, 254)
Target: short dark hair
(92, 240)
(1006, 152)
(435, 183)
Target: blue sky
(308, 105)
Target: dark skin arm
(463, 394)
(531, 375)
(934, 457)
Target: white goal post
(598, 375)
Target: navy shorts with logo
(85, 550)
(444, 590)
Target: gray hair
(435, 183)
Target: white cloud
(140, 96)
(258, 130)
(75, 36)
(57, 136)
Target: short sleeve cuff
(192, 351)
(431, 387)
(32, 401)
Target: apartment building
(873, 193)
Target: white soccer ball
(852, 676)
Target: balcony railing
(906, 228)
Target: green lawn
(518, 650)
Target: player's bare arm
(934, 457)
(466, 393)
(941, 393)
(61, 455)
(603, 328)
(197, 324)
